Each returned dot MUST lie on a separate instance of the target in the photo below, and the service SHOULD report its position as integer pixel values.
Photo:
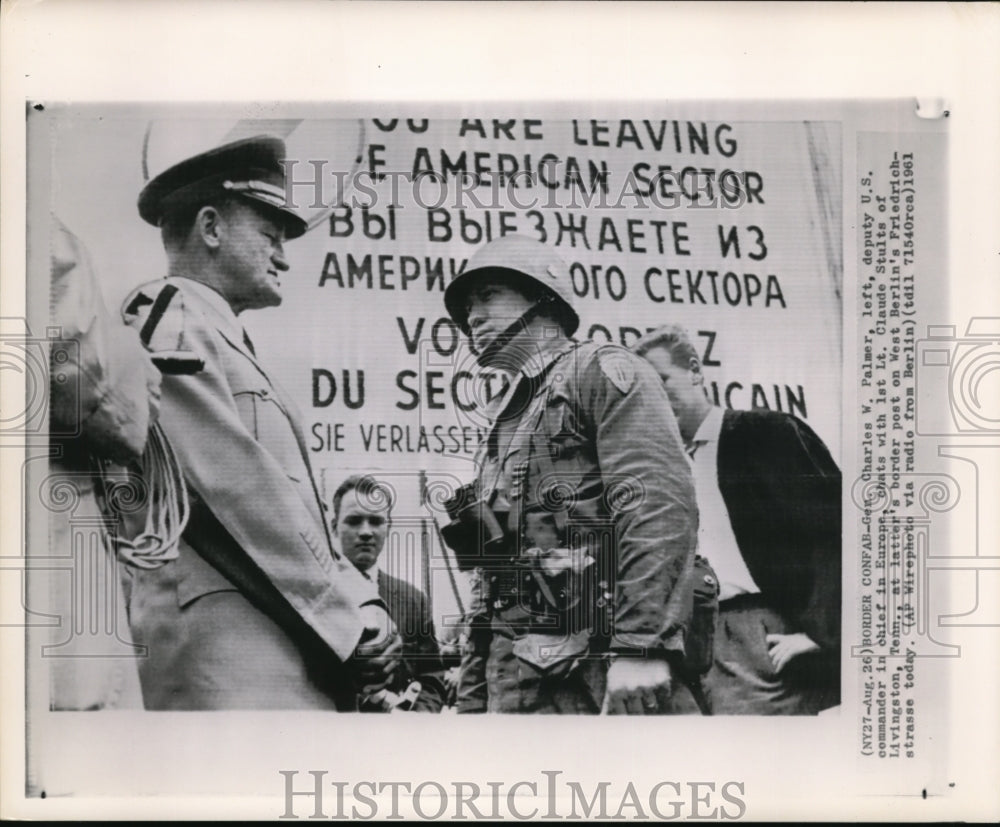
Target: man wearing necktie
(362, 517)
(258, 611)
(769, 502)
(582, 598)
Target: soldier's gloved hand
(637, 686)
(378, 652)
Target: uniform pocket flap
(196, 578)
(266, 419)
(546, 652)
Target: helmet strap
(506, 336)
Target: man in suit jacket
(769, 500)
(362, 509)
(257, 611)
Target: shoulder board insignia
(618, 368)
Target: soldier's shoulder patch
(157, 311)
(618, 367)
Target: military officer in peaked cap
(258, 611)
(582, 606)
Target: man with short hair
(769, 500)
(362, 518)
(582, 514)
(257, 611)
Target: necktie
(249, 344)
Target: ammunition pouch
(548, 591)
(700, 639)
(553, 656)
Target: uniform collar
(217, 303)
(542, 357)
(225, 318)
(543, 354)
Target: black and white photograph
(362, 439)
(581, 414)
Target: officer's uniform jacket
(584, 444)
(256, 529)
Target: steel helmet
(522, 259)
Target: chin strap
(506, 336)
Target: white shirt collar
(710, 428)
(371, 572)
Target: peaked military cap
(250, 168)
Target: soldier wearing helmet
(582, 607)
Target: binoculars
(475, 533)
